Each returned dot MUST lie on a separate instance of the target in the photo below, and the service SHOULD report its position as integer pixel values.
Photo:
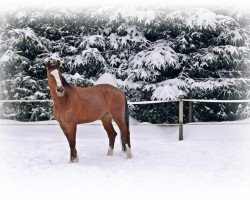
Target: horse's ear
(48, 65)
(58, 65)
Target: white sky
(244, 4)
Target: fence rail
(142, 102)
(181, 102)
(217, 101)
(25, 101)
(48, 100)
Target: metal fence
(181, 106)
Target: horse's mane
(65, 83)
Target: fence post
(181, 119)
(190, 109)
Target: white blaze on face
(55, 73)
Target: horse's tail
(126, 113)
(127, 124)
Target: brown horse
(74, 105)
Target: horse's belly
(87, 120)
(87, 115)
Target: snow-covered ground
(213, 162)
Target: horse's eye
(51, 75)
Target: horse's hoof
(74, 160)
(110, 152)
(129, 154)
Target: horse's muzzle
(60, 91)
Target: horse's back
(102, 89)
(108, 87)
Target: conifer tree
(151, 54)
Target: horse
(75, 105)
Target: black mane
(65, 83)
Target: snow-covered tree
(151, 54)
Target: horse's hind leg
(125, 134)
(107, 124)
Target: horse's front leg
(70, 133)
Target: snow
(89, 54)
(146, 16)
(209, 57)
(212, 162)
(25, 33)
(212, 84)
(72, 49)
(131, 14)
(76, 76)
(10, 56)
(158, 56)
(171, 89)
(233, 36)
(6, 56)
(53, 57)
(92, 41)
(132, 37)
(113, 41)
(200, 18)
(78, 60)
(232, 50)
(37, 95)
(107, 78)
(167, 92)
(20, 15)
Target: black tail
(127, 124)
(126, 113)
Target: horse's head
(55, 78)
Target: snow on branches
(147, 64)
(149, 53)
